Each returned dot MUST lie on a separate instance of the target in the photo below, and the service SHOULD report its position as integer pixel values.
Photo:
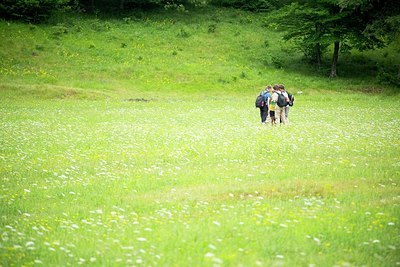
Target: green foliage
(31, 10)
(116, 6)
(183, 33)
(255, 5)
(212, 28)
(314, 25)
(99, 25)
(389, 75)
(59, 30)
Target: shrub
(59, 30)
(100, 26)
(212, 28)
(31, 10)
(255, 5)
(388, 75)
(183, 33)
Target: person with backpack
(280, 97)
(262, 103)
(289, 104)
(271, 106)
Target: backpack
(260, 101)
(291, 99)
(281, 100)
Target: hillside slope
(208, 50)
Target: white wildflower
(29, 244)
(317, 241)
(217, 223)
(211, 246)
(209, 255)
(218, 260)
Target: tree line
(313, 25)
(343, 24)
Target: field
(155, 163)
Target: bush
(255, 5)
(388, 75)
(30, 10)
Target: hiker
(289, 104)
(264, 106)
(271, 106)
(280, 98)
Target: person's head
(276, 87)
(268, 88)
(281, 87)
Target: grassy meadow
(134, 141)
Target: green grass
(108, 159)
(210, 50)
(183, 183)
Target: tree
(30, 10)
(386, 26)
(113, 5)
(305, 26)
(316, 24)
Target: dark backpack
(260, 101)
(291, 99)
(281, 100)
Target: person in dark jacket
(264, 108)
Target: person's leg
(272, 117)
(263, 114)
(279, 114)
(283, 118)
(283, 115)
(287, 114)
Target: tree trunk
(335, 60)
(318, 54)
(398, 73)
